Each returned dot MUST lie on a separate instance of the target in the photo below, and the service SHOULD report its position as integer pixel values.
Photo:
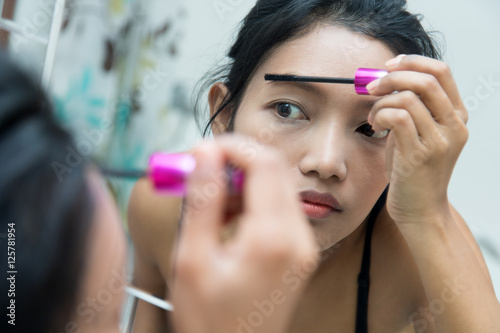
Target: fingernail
(370, 118)
(394, 61)
(373, 85)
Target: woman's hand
(423, 109)
(237, 284)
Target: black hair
(45, 221)
(270, 23)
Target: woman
(371, 171)
(63, 250)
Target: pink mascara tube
(169, 174)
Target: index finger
(439, 69)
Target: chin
(330, 234)
(324, 240)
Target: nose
(324, 154)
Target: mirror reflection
(249, 166)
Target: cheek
(251, 121)
(368, 179)
(367, 172)
(368, 163)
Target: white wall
(473, 48)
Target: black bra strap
(364, 275)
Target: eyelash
(275, 109)
(359, 129)
(384, 133)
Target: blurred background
(122, 74)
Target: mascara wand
(362, 78)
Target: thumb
(206, 197)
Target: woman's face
(321, 129)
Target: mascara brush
(362, 78)
(296, 78)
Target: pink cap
(169, 174)
(366, 75)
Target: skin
(423, 254)
(100, 302)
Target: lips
(318, 205)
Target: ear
(216, 96)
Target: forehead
(327, 51)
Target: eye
(288, 110)
(366, 129)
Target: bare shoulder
(153, 223)
(395, 275)
(392, 243)
(471, 241)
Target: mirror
(125, 74)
